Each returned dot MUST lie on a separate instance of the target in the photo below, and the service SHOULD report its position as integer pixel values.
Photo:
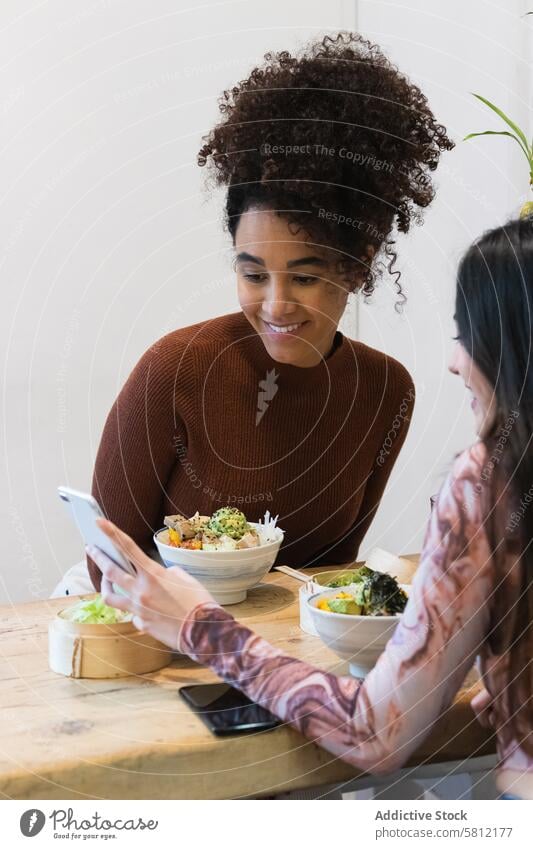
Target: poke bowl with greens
(357, 615)
(225, 552)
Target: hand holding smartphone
(85, 510)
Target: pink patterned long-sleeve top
(376, 724)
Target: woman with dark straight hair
(472, 595)
(494, 307)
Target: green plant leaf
(496, 133)
(516, 129)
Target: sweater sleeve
(375, 724)
(396, 427)
(137, 450)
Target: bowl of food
(225, 552)
(89, 639)
(356, 620)
(378, 560)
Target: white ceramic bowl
(228, 575)
(358, 639)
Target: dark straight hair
(494, 315)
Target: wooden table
(134, 738)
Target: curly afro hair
(336, 140)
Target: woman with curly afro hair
(321, 155)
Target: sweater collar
(253, 348)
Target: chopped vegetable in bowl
(230, 521)
(226, 530)
(352, 577)
(371, 594)
(342, 603)
(95, 612)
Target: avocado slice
(344, 605)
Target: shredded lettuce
(95, 612)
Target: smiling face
(483, 398)
(288, 288)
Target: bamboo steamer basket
(102, 651)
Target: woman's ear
(370, 253)
(365, 263)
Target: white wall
(109, 240)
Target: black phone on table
(226, 710)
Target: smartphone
(85, 510)
(226, 710)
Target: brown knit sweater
(207, 418)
